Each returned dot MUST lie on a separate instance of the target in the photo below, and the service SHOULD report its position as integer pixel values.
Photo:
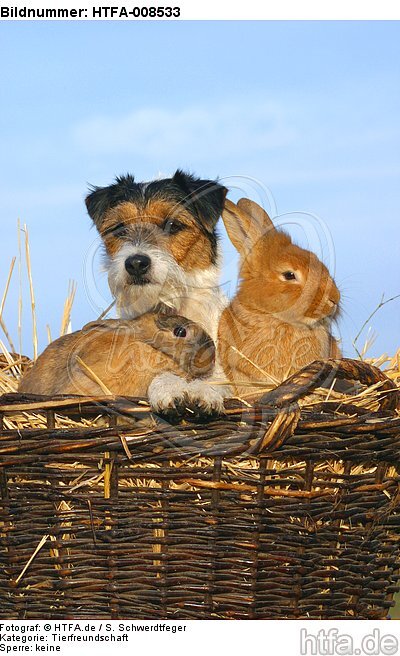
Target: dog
(161, 248)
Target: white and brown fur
(161, 247)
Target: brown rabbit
(279, 319)
(121, 357)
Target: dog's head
(155, 235)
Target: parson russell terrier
(161, 248)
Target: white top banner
(128, 10)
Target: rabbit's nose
(334, 295)
(334, 306)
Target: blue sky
(303, 116)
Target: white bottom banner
(343, 638)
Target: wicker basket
(269, 512)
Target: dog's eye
(172, 226)
(118, 230)
(179, 331)
(289, 275)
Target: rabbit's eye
(289, 275)
(179, 331)
(172, 226)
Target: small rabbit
(279, 319)
(121, 357)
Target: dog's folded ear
(205, 198)
(101, 199)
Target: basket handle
(322, 373)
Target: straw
(19, 287)
(274, 380)
(38, 548)
(106, 311)
(66, 318)
(93, 376)
(381, 304)
(32, 294)
(3, 300)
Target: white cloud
(254, 125)
(287, 139)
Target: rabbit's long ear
(258, 214)
(242, 227)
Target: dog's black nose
(137, 265)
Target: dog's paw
(204, 398)
(174, 397)
(167, 393)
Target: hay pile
(12, 367)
